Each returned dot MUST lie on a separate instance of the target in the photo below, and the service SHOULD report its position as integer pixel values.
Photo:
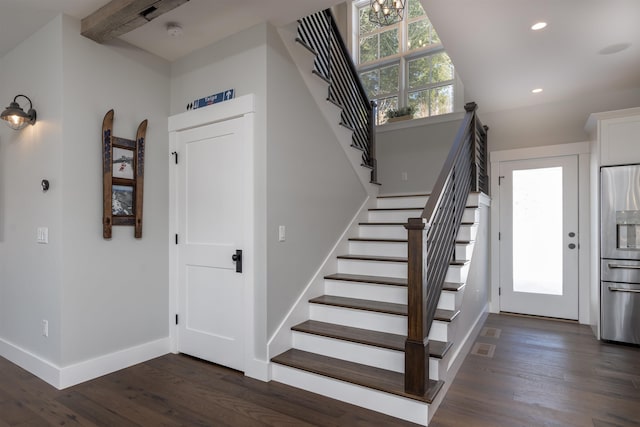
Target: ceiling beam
(121, 16)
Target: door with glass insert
(539, 237)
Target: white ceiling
(500, 60)
(496, 54)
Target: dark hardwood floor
(544, 373)
(541, 373)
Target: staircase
(352, 346)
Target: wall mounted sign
(123, 178)
(212, 99)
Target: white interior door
(539, 237)
(210, 227)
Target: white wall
(115, 292)
(31, 273)
(312, 189)
(99, 296)
(420, 151)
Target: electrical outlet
(405, 176)
(45, 328)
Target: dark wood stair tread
(373, 258)
(391, 196)
(306, 46)
(378, 306)
(394, 209)
(378, 280)
(453, 286)
(355, 373)
(386, 340)
(365, 239)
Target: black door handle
(237, 258)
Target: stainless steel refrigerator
(620, 253)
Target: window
(404, 64)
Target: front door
(539, 237)
(210, 229)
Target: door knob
(237, 258)
(572, 246)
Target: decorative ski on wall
(123, 178)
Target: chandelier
(386, 12)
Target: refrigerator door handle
(633, 291)
(630, 267)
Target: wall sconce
(15, 117)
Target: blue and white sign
(212, 99)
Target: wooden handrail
(431, 241)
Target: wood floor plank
(543, 373)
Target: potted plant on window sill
(397, 114)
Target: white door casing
(539, 239)
(211, 198)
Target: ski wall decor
(123, 178)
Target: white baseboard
(86, 370)
(30, 362)
(102, 365)
(258, 369)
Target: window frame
(403, 57)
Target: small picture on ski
(122, 163)
(122, 200)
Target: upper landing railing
(333, 63)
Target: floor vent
(490, 332)
(483, 349)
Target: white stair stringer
(384, 223)
(318, 88)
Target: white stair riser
(382, 232)
(457, 273)
(467, 232)
(378, 248)
(440, 331)
(383, 358)
(394, 216)
(437, 369)
(464, 251)
(401, 202)
(395, 406)
(370, 291)
(374, 321)
(358, 353)
(373, 268)
(471, 215)
(450, 300)
(382, 322)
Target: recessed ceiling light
(538, 26)
(536, 90)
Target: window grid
(430, 98)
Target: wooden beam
(118, 17)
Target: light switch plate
(43, 235)
(282, 233)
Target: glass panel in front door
(537, 231)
